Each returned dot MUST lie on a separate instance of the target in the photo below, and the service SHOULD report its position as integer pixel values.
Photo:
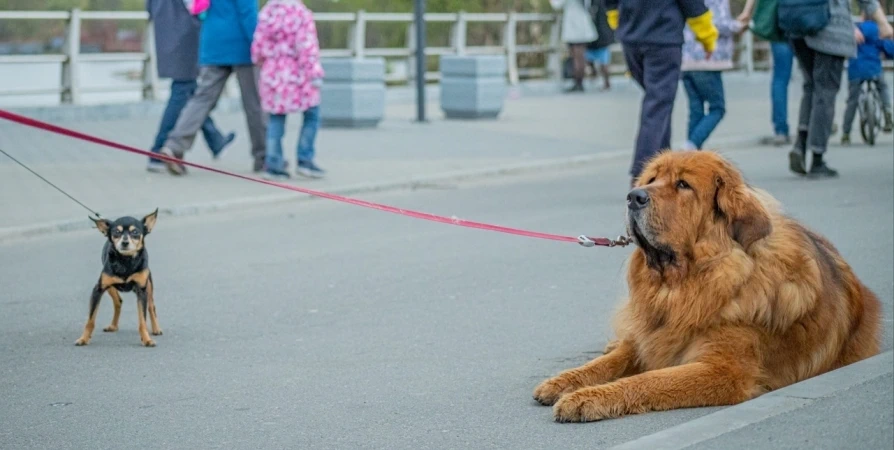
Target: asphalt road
(321, 325)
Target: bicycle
(870, 108)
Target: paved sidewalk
(535, 130)
(850, 408)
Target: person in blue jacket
(177, 58)
(224, 49)
(866, 66)
(651, 34)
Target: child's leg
(853, 96)
(696, 104)
(308, 137)
(886, 103)
(276, 125)
(883, 90)
(710, 88)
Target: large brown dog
(729, 299)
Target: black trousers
(657, 70)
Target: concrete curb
(797, 396)
(41, 229)
(154, 108)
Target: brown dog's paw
(548, 392)
(81, 341)
(149, 343)
(110, 329)
(611, 346)
(157, 332)
(584, 405)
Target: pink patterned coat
(286, 48)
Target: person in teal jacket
(224, 48)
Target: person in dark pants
(224, 50)
(177, 53)
(821, 58)
(598, 51)
(651, 33)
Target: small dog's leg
(116, 300)
(153, 318)
(619, 362)
(91, 318)
(142, 304)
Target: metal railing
(70, 88)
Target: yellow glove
(612, 16)
(704, 29)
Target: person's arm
(725, 23)
(149, 9)
(311, 54)
(887, 47)
(873, 10)
(259, 42)
(248, 16)
(701, 22)
(611, 13)
(747, 12)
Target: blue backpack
(800, 18)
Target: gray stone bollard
(353, 92)
(472, 87)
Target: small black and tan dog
(125, 268)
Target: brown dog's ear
(747, 219)
(149, 222)
(102, 225)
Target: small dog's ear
(102, 225)
(149, 222)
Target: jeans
(703, 87)
(782, 74)
(656, 68)
(181, 91)
(276, 125)
(822, 79)
(853, 98)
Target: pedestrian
(176, 53)
(867, 66)
(577, 31)
(702, 77)
(287, 49)
(821, 57)
(782, 60)
(598, 52)
(651, 33)
(224, 49)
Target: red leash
(583, 240)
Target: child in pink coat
(286, 48)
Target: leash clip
(623, 241)
(585, 241)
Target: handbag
(765, 21)
(800, 18)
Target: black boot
(798, 154)
(819, 169)
(578, 87)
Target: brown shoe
(173, 168)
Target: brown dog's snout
(637, 199)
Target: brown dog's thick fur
(728, 299)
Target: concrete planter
(353, 92)
(472, 87)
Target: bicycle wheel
(864, 118)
